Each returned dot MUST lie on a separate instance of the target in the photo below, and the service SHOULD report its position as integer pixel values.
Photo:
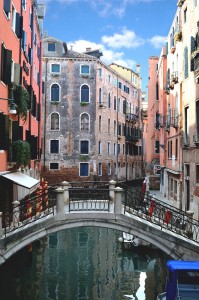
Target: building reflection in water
(88, 263)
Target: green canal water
(86, 263)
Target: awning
(21, 179)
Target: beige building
(177, 110)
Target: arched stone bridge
(104, 208)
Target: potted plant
(21, 151)
(21, 99)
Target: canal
(86, 263)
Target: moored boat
(182, 281)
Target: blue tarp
(176, 265)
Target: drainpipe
(117, 127)
(45, 100)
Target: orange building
(20, 95)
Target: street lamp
(12, 105)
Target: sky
(127, 32)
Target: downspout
(45, 98)
(117, 128)
(40, 108)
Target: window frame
(81, 145)
(81, 88)
(58, 146)
(54, 169)
(59, 92)
(81, 69)
(55, 72)
(53, 113)
(84, 163)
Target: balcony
(167, 89)
(185, 140)
(174, 77)
(132, 138)
(101, 104)
(196, 138)
(132, 117)
(174, 118)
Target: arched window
(84, 122)
(54, 124)
(55, 92)
(84, 93)
(109, 100)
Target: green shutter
(186, 73)
(7, 61)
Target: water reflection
(83, 264)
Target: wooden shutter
(18, 27)
(185, 62)
(6, 6)
(6, 65)
(193, 44)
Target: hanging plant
(22, 100)
(21, 150)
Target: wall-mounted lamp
(12, 105)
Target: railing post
(112, 185)
(15, 213)
(118, 209)
(59, 201)
(1, 225)
(189, 231)
(65, 185)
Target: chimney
(138, 69)
(88, 49)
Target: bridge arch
(175, 246)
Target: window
(115, 151)
(109, 148)
(109, 125)
(6, 65)
(186, 64)
(185, 15)
(118, 104)
(114, 127)
(100, 169)
(23, 40)
(85, 69)
(84, 122)
(55, 68)
(54, 166)
(176, 149)
(197, 173)
(51, 47)
(84, 93)
(124, 106)
(100, 123)
(54, 121)
(115, 103)
(119, 129)
(109, 168)
(157, 148)
(100, 72)
(13, 18)
(55, 93)
(197, 118)
(54, 146)
(6, 8)
(100, 147)
(186, 121)
(109, 100)
(100, 95)
(84, 147)
(109, 78)
(115, 169)
(84, 169)
(24, 4)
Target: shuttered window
(4, 132)
(186, 72)
(6, 7)
(6, 65)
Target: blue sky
(127, 31)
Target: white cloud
(126, 39)
(157, 41)
(109, 56)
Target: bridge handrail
(27, 211)
(148, 207)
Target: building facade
(91, 118)
(20, 92)
(177, 112)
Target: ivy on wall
(21, 151)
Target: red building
(20, 96)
